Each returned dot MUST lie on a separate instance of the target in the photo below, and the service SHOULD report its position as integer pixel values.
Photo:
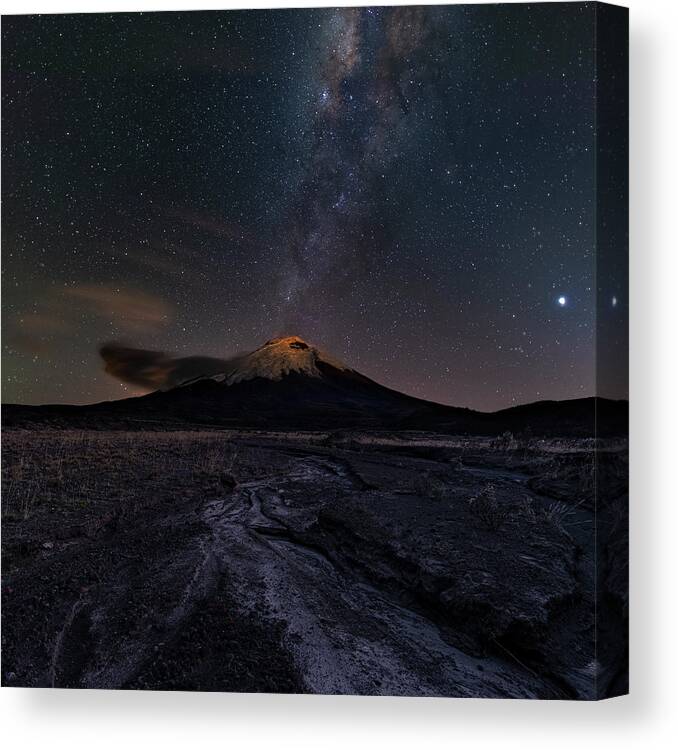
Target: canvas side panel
(612, 350)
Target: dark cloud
(158, 370)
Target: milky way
(412, 189)
(361, 102)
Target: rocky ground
(396, 564)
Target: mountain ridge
(288, 384)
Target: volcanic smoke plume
(159, 370)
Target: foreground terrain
(340, 562)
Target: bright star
(562, 301)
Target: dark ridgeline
(318, 394)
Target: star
(368, 178)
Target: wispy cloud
(58, 315)
(217, 227)
(130, 309)
(33, 333)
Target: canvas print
(315, 342)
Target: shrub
(431, 487)
(557, 513)
(487, 509)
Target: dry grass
(57, 471)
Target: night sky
(411, 189)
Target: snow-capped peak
(277, 358)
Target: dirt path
(346, 635)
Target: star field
(412, 189)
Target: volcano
(289, 384)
